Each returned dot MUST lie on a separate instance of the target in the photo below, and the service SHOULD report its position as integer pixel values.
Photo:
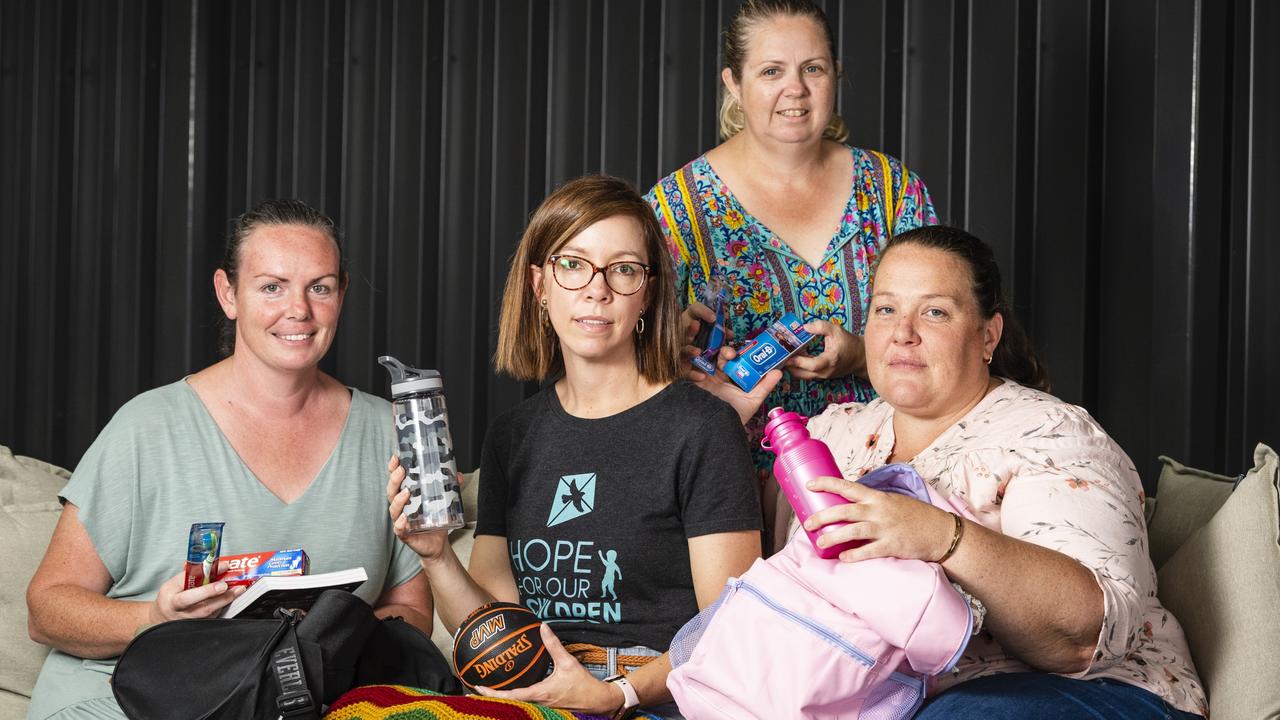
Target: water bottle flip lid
(777, 418)
(406, 380)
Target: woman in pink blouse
(1058, 555)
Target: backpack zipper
(823, 633)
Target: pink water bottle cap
(777, 418)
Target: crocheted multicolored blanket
(397, 702)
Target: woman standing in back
(783, 213)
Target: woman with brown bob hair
(526, 351)
(612, 449)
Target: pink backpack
(798, 636)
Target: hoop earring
(988, 358)
(640, 326)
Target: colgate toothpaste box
(244, 569)
(784, 338)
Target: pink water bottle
(801, 459)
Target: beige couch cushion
(1185, 500)
(28, 511)
(1223, 584)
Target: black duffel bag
(288, 667)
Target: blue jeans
(1014, 696)
(666, 711)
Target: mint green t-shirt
(162, 464)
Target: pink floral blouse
(1036, 468)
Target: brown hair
(1014, 357)
(736, 36)
(529, 350)
(270, 212)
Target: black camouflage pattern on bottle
(426, 453)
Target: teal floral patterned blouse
(709, 234)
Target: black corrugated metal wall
(1122, 157)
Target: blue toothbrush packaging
(784, 338)
(711, 336)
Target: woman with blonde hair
(783, 214)
(613, 449)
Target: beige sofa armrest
(29, 510)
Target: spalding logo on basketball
(498, 646)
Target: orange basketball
(498, 646)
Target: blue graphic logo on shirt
(575, 497)
(611, 572)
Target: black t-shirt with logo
(597, 513)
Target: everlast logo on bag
(487, 630)
(289, 674)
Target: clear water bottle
(426, 450)
(800, 459)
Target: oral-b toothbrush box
(784, 338)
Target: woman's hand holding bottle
(429, 545)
